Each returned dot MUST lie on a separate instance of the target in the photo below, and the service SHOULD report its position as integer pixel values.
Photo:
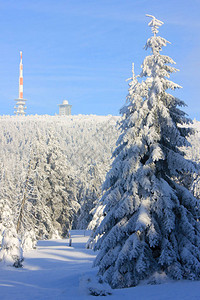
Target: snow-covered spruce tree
(49, 202)
(11, 252)
(33, 213)
(89, 194)
(60, 187)
(29, 240)
(98, 211)
(151, 220)
(193, 153)
(5, 217)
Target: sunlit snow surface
(55, 271)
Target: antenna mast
(20, 105)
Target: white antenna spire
(154, 24)
(21, 77)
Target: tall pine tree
(150, 223)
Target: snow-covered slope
(87, 142)
(56, 271)
(57, 163)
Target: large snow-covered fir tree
(150, 224)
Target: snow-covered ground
(52, 271)
(56, 271)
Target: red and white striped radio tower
(20, 105)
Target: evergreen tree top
(154, 24)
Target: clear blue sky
(82, 50)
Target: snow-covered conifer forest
(134, 181)
(52, 169)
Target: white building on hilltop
(65, 108)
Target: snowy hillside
(57, 271)
(58, 164)
(82, 147)
(46, 160)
